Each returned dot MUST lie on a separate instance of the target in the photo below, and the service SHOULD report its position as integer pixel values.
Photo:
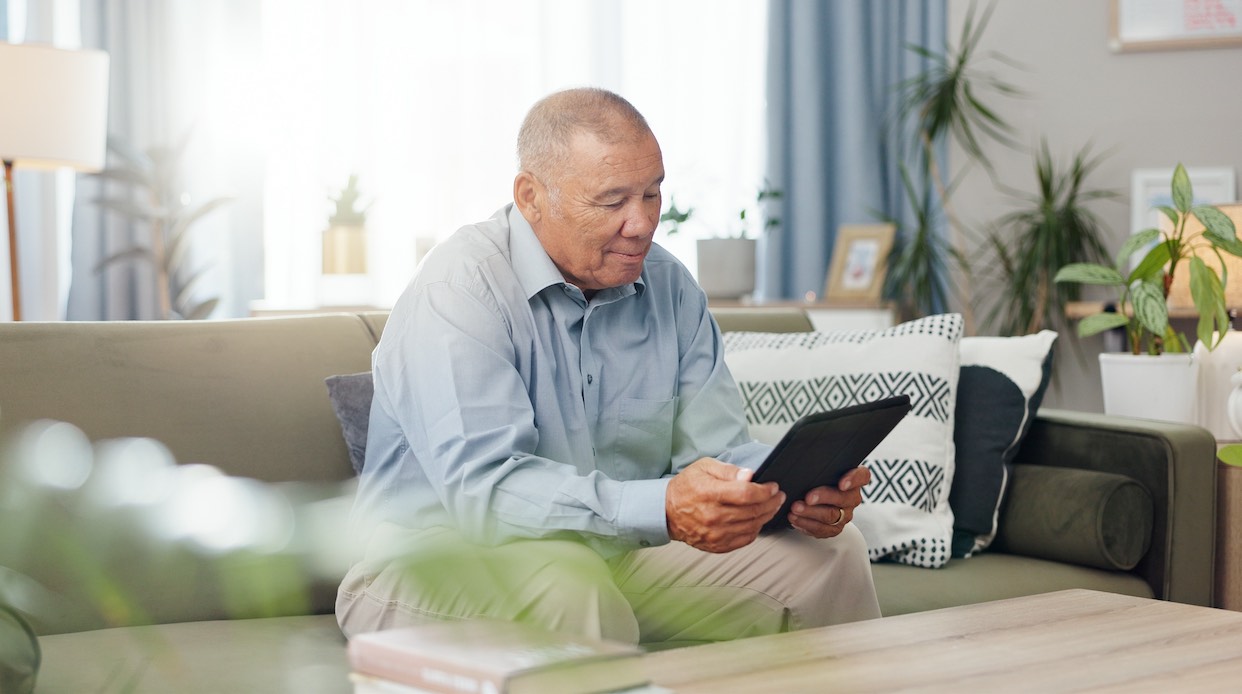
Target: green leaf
(1089, 273)
(1136, 243)
(1217, 226)
(1150, 309)
(1208, 294)
(1100, 322)
(1171, 213)
(1183, 194)
(1231, 454)
(1152, 264)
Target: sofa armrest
(1177, 465)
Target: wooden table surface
(1074, 640)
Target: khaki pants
(673, 594)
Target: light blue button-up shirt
(508, 406)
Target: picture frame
(859, 263)
(1148, 25)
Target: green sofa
(116, 612)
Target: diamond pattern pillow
(906, 515)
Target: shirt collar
(536, 271)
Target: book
(490, 656)
(366, 684)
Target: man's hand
(825, 511)
(715, 507)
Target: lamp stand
(13, 276)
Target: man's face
(599, 228)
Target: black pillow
(351, 401)
(1000, 386)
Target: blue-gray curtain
(833, 147)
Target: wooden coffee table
(1074, 640)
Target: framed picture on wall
(859, 262)
(1146, 25)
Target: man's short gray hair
(550, 126)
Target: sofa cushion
(351, 395)
(785, 376)
(244, 395)
(1085, 517)
(280, 654)
(1000, 388)
(19, 653)
(988, 576)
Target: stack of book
(486, 656)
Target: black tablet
(819, 448)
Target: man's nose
(642, 219)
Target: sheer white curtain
(422, 99)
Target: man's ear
(528, 195)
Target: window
(422, 100)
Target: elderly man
(555, 437)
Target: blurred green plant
(345, 210)
(154, 202)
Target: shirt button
(590, 379)
(645, 543)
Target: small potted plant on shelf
(1193, 233)
(345, 239)
(726, 264)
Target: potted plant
(948, 99)
(1053, 229)
(1160, 360)
(154, 199)
(726, 264)
(345, 239)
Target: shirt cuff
(641, 517)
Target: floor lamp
(54, 114)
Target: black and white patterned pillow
(782, 376)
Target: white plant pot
(1161, 387)
(1235, 405)
(726, 267)
(1216, 369)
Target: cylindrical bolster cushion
(1097, 519)
(19, 653)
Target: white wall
(1152, 109)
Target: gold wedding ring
(840, 517)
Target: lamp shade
(53, 106)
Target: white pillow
(783, 376)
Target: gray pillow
(351, 401)
(19, 653)
(1097, 519)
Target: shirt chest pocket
(645, 434)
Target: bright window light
(422, 100)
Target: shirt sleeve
(449, 378)
(711, 419)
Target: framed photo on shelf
(1148, 25)
(859, 262)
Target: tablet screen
(821, 447)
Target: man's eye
(615, 205)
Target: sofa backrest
(245, 395)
